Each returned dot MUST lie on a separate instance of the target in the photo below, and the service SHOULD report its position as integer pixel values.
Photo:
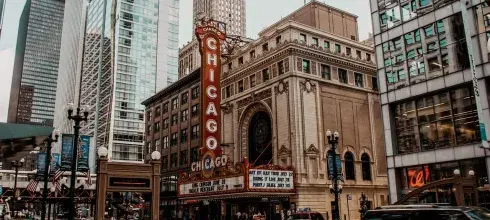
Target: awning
(17, 140)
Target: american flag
(57, 175)
(31, 187)
(57, 186)
(89, 178)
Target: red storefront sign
(210, 38)
(418, 177)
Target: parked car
(432, 212)
(307, 216)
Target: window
(230, 66)
(337, 48)
(368, 57)
(406, 12)
(158, 111)
(280, 66)
(252, 54)
(306, 66)
(195, 110)
(343, 76)
(383, 17)
(440, 27)
(423, 3)
(157, 126)
(398, 43)
(265, 47)
(326, 72)
(375, 82)
(445, 60)
(194, 132)
(265, 75)
(431, 47)
(366, 167)
(358, 53)
(359, 79)
(411, 54)
(391, 77)
(414, 5)
(350, 173)
(228, 92)
(348, 51)
(184, 115)
(252, 81)
(417, 36)
(434, 64)
(183, 157)
(278, 39)
(173, 160)
(194, 154)
(437, 121)
(173, 139)
(314, 41)
(175, 103)
(183, 135)
(240, 86)
(148, 131)
(387, 62)
(409, 39)
(165, 142)
(443, 42)
(429, 31)
(165, 123)
(184, 98)
(400, 58)
(302, 38)
(240, 60)
(175, 119)
(195, 92)
(165, 107)
(165, 162)
(148, 115)
(326, 45)
(386, 47)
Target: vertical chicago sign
(210, 37)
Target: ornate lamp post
(16, 165)
(50, 140)
(335, 187)
(77, 118)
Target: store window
(350, 173)
(437, 121)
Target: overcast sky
(260, 14)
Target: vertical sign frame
(210, 37)
(67, 142)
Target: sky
(260, 14)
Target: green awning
(17, 140)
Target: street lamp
(335, 187)
(16, 165)
(50, 140)
(77, 118)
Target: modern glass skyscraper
(125, 42)
(33, 91)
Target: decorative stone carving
(284, 152)
(307, 86)
(299, 63)
(312, 150)
(286, 65)
(313, 68)
(282, 87)
(268, 102)
(244, 123)
(254, 97)
(227, 109)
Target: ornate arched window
(366, 167)
(350, 173)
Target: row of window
(350, 169)
(174, 119)
(394, 16)
(183, 159)
(184, 99)
(163, 143)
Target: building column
(101, 188)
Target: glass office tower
(33, 91)
(120, 70)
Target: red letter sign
(210, 38)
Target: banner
(338, 164)
(55, 163)
(83, 153)
(41, 163)
(66, 151)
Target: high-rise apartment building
(128, 52)
(428, 103)
(33, 92)
(231, 12)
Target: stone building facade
(283, 91)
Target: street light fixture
(81, 115)
(16, 164)
(49, 141)
(335, 187)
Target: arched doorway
(260, 139)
